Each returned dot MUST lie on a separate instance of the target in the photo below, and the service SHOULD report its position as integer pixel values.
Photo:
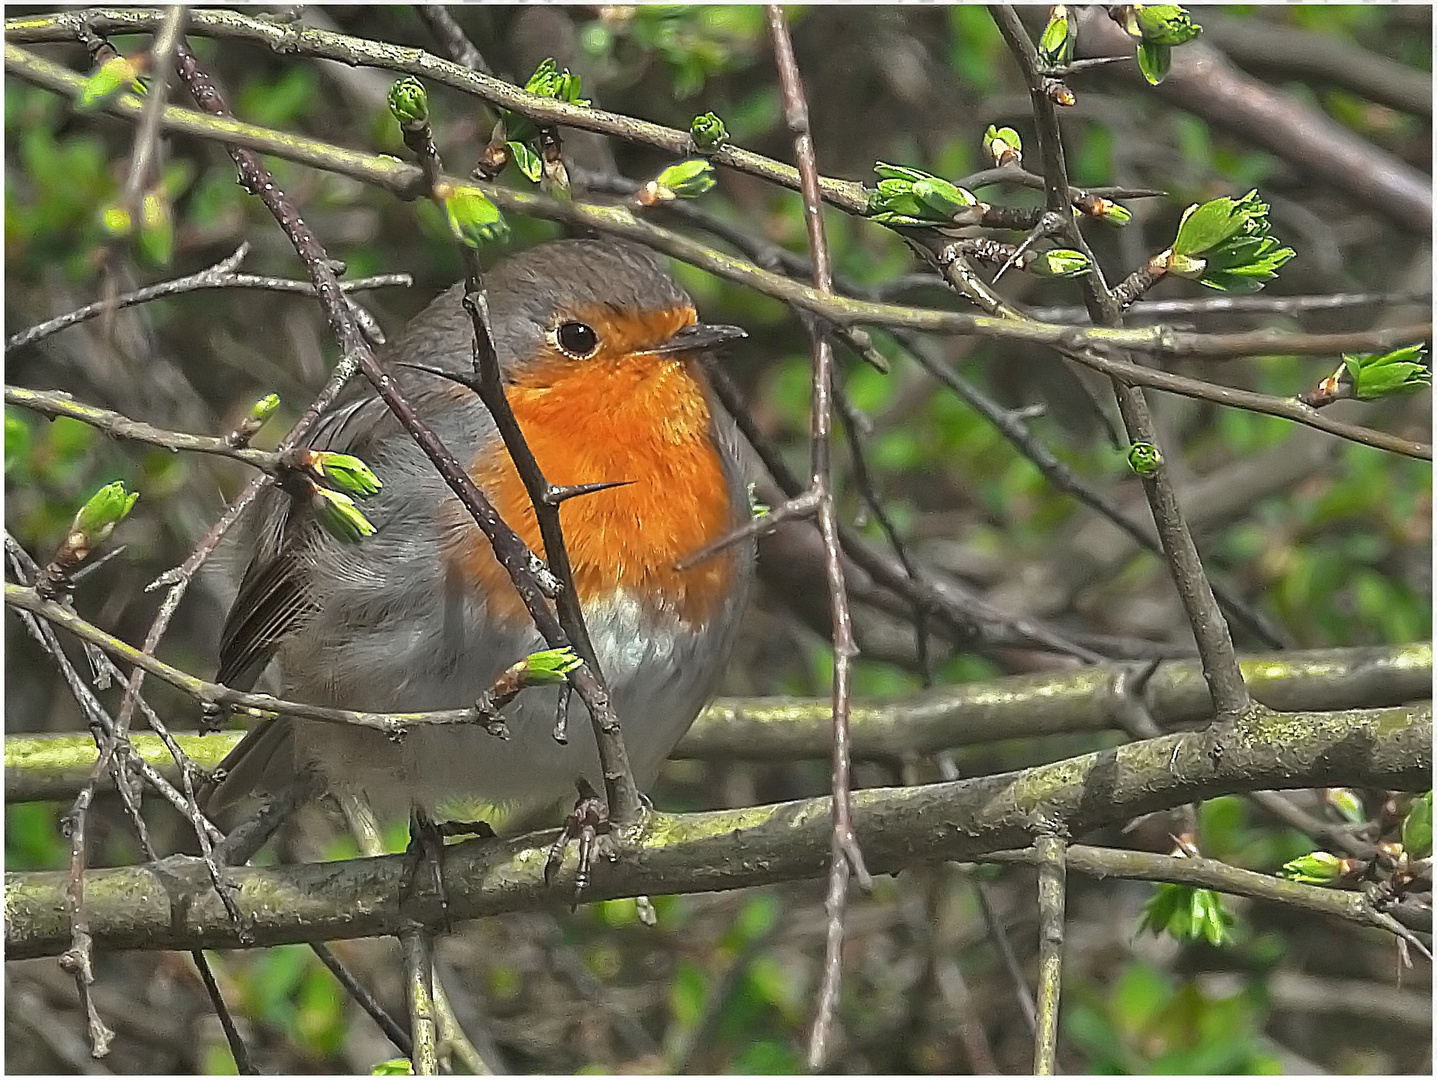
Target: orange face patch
(622, 415)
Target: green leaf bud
(1401, 371)
(1164, 24)
(1188, 914)
(1060, 38)
(409, 102)
(526, 159)
(1154, 61)
(393, 1067)
(1003, 146)
(1347, 803)
(1111, 212)
(907, 196)
(1315, 868)
(550, 666)
(1060, 263)
(108, 81)
(708, 133)
(340, 517)
(264, 408)
(686, 179)
(346, 472)
(107, 508)
(1144, 458)
(473, 219)
(1417, 828)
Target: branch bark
(172, 905)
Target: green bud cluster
(1401, 371)
(1188, 914)
(907, 196)
(550, 666)
(339, 515)
(1315, 868)
(1158, 28)
(1226, 245)
(687, 179)
(346, 472)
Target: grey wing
(272, 602)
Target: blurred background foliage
(1331, 540)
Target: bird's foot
(586, 823)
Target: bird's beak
(698, 337)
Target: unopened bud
(346, 472)
(1315, 868)
(1144, 458)
(708, 133)
(409, 102)
(340, 517)
(549, 666)
(109, 80)
(473, 219)
(106, 508)
(1003, 146)
(1060, 263)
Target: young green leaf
(1417, 828)
(1060, 38)
(1401, 371)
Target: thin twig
(162, 54)
(417, 944)
(1052, 889)
(845, 858)
(1241, 305)
(456, 43)
(219, 276)
(1210, 629)
(367, 1001)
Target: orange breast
(639, 418)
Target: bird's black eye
(577, 339)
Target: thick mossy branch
(172, 905)
(800, 729)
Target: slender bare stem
(1052, 889)
(845, 858)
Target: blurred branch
(1241, 305)
(798, 729)
(1321, 59)
(172, 904)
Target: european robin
(600, 354)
